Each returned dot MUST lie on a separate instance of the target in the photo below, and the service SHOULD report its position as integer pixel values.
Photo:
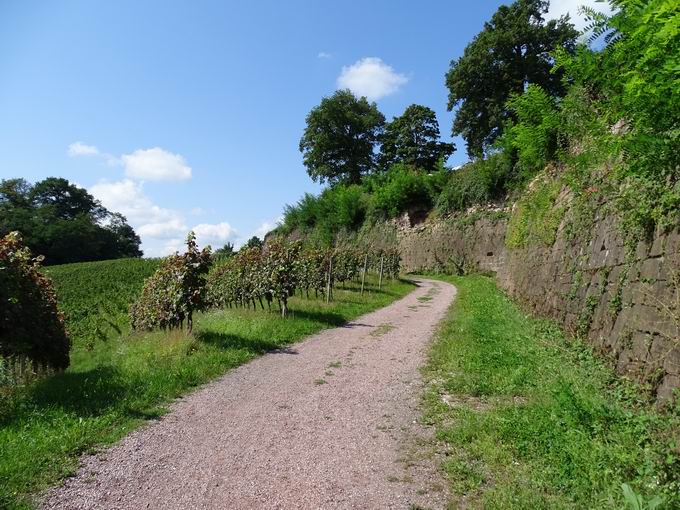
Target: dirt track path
(271, 434)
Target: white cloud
(127, 197)
(156, 164)
(163, 230)
(561, 7)
(154, 224)
(81, 149)
(214, 234)
(267, 226)
(371, 77)
(324, 55)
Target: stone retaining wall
(627, 306)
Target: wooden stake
(363, 274)
(381, 272)
(328, 283)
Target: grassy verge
(114, 386)
(530, 419)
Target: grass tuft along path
(530, 419)
(114, 386)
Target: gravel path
(326, 423)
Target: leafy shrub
(632, 82)
(400, 189)
(30, 322)
(532, 136)
(535, 218)
(281, 271)
(476, 183)
(338, 208)
(281, 268)
(174, 291)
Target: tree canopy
(413, 139)
(513, 50)
(63, 222)
(339, 140)
(253, 242)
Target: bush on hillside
(476, 183)
(402, 188)
(532, 137)
(30, 322)
(338, 208)
(174, 292)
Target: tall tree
(413, 139)
(253, 242)
(339, 140)
(512, 51)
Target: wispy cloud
(324, 55)
(81, 149)
(371, 77)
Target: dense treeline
(601, 110)
(63, 222)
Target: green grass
(530, 419)
(113, 386)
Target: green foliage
(535, 420)
(512, 51)
(253, 242)
(532, 136)
(225, 252)
(633, 83)
(122, 383)
(64, 222)
(340, 137)
(413, 139)
(95, 297)
(635, 501)
(31, 325)
(281, 271)
(337, 209)
(174, 292)
(401, 188)
(476, 183)
(277, 271)
(536, 217)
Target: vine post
(363, 273)
(328, 283)
(381, 271)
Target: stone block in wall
(669, 384)
(672, 242)
(641, 345)
(658, 246)
(652, 269)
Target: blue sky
(187, 115)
